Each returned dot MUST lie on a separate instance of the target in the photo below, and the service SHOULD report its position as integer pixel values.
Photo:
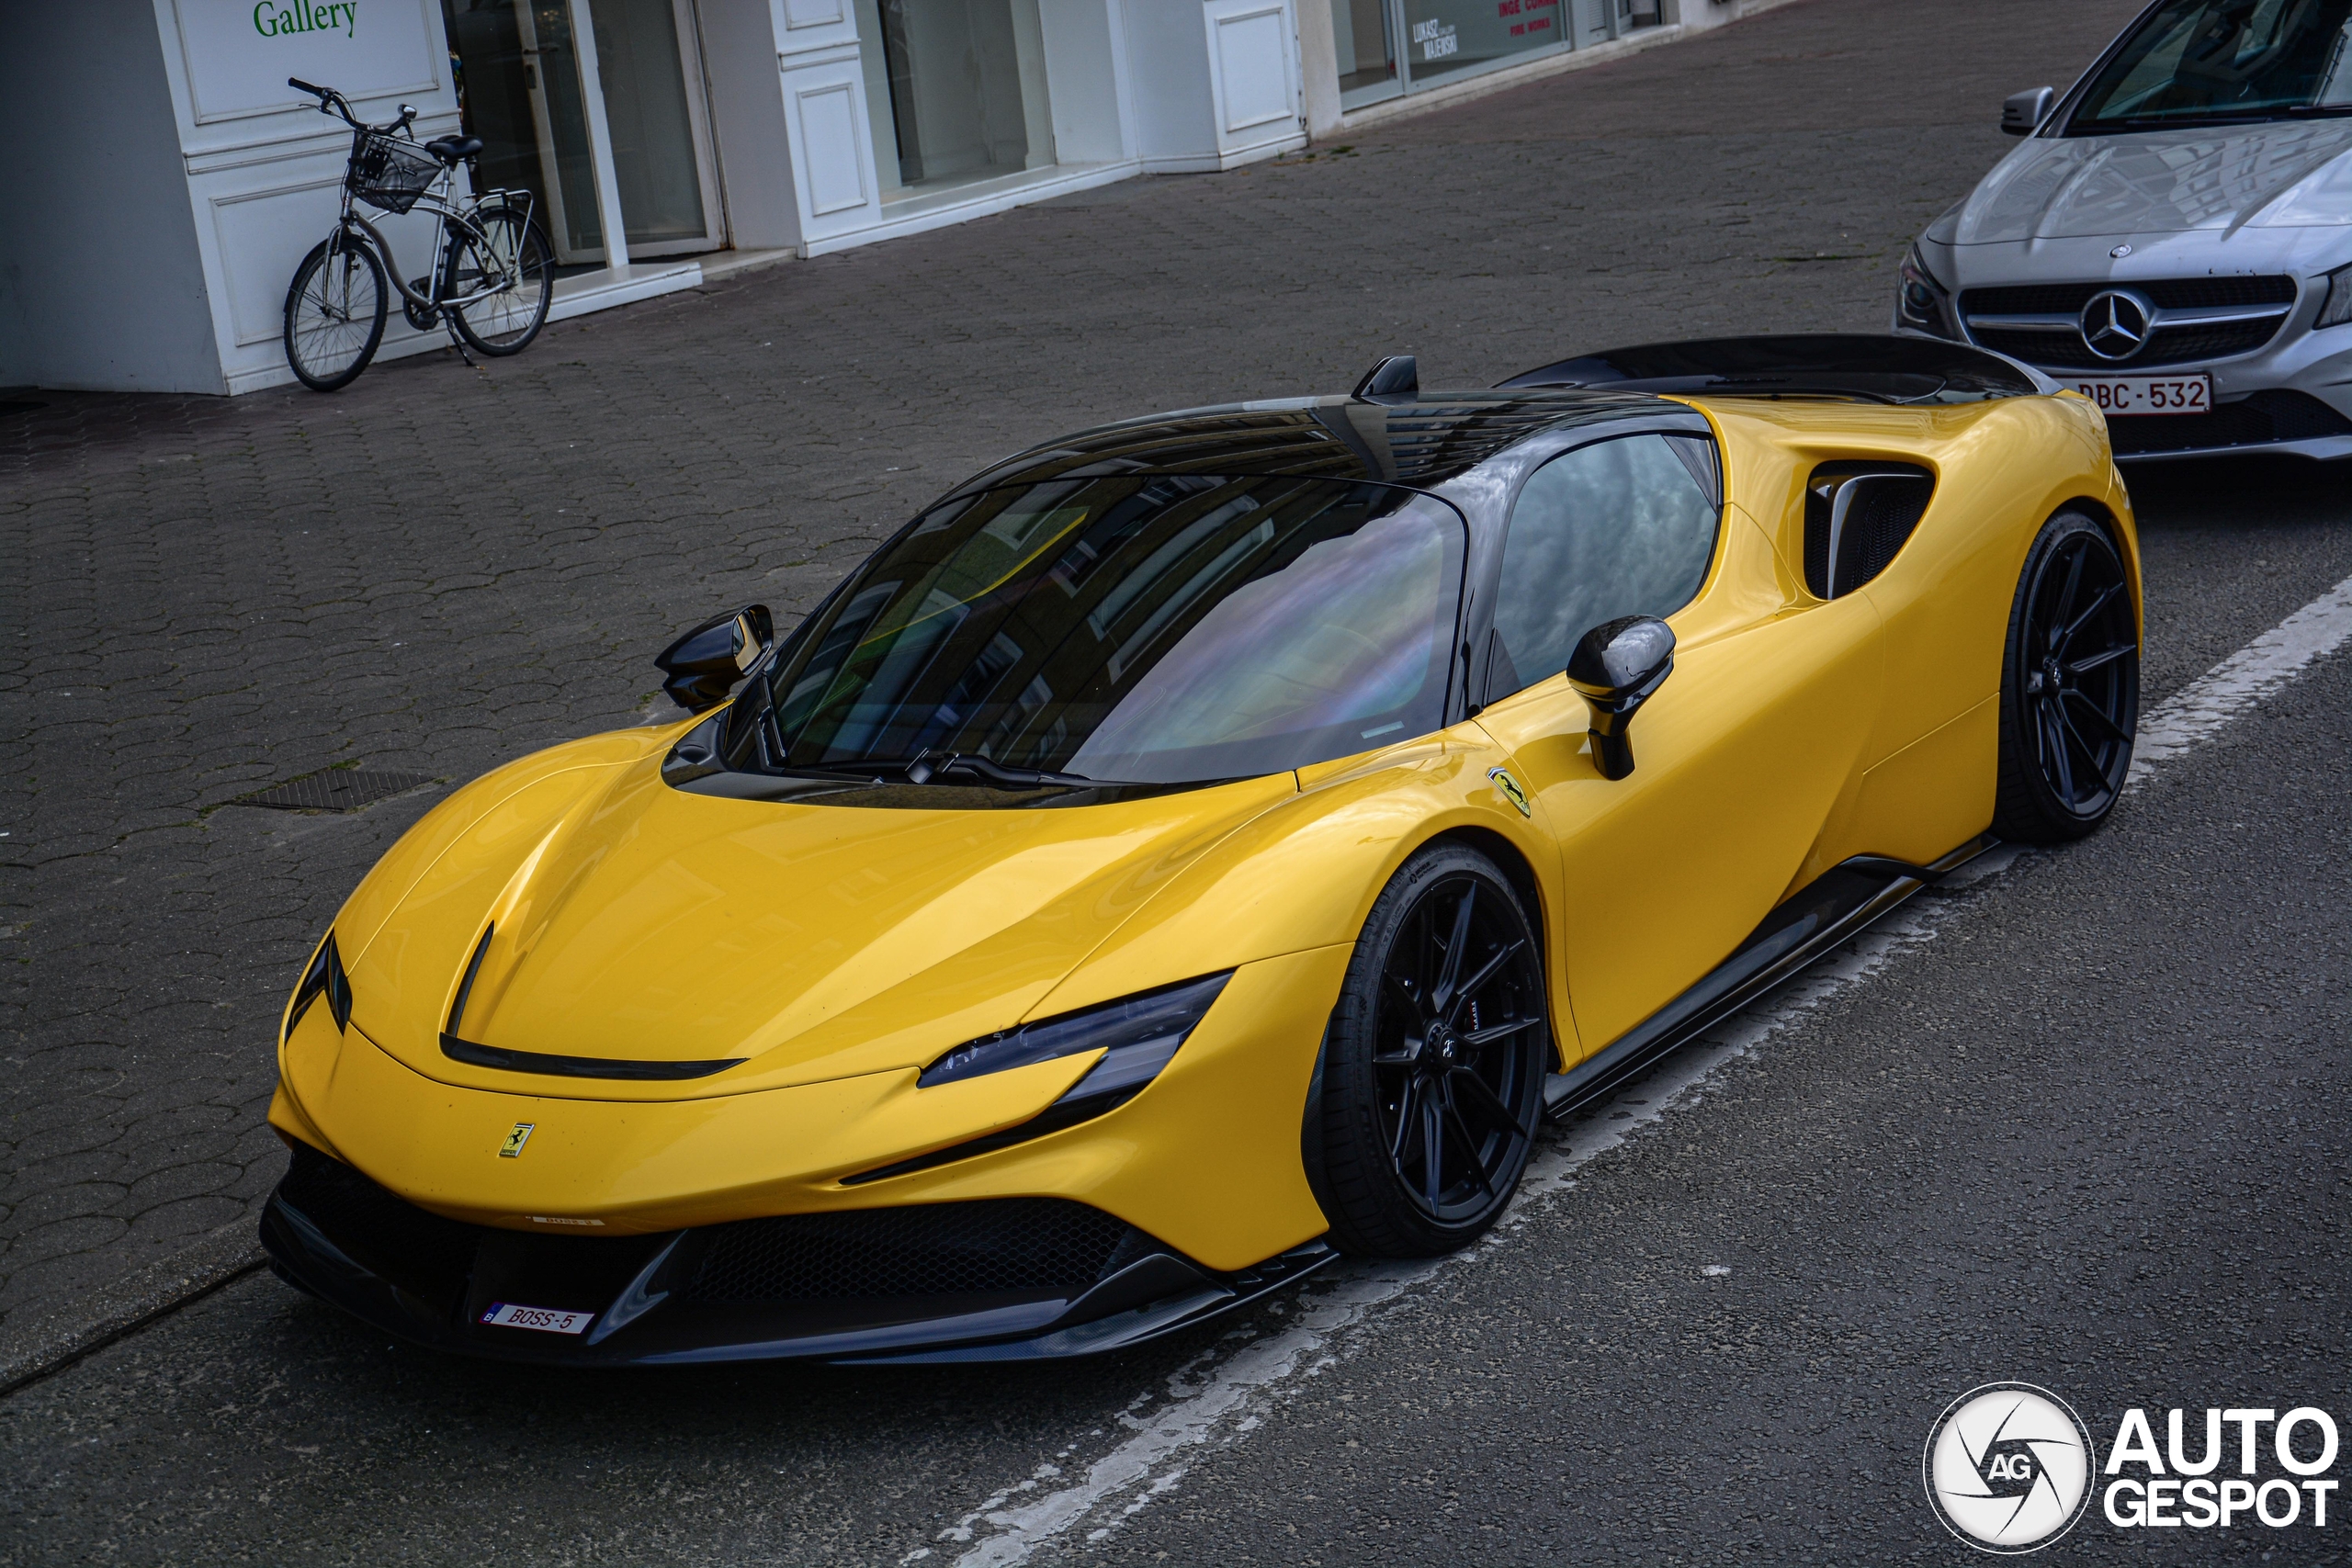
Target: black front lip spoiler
(1159, 1294)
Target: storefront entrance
(524, 69)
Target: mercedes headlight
(1138, 1037)
(1920, 302)
(324, 978)
(2336, 308)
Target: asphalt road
(2076, 1123)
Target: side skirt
(1836, 905)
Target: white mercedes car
(2174, 237)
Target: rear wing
(1875, 367)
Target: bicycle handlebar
(334, 103)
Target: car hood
(2293, 175)
(635, 922)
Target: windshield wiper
(937, 766)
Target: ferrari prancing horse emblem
(512, 1147)
(1510, 791)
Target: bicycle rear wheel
(518, 270)
(334, 313)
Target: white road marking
(2201, 709)
(1225, 1393)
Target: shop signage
(239, 53)
(271, 20)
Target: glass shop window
(1367, 51)
(956, 89)
(1442, 37)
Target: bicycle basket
(389, 173)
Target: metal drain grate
(334, 790)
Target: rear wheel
(1433, 1067)
(511, 260)
(335, 313)
(2070, 686)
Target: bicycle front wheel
(334, 313)
(510, 267)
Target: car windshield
(1153, 629)
(2191, 61)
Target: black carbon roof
(1422, 441)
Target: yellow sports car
(1199, 847)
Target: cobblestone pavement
(442, 568)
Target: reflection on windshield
(2206, 60)
(1141, 628)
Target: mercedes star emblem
(2114, 323)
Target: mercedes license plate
(2147, 394)
(548, 1320)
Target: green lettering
(351, 19)
(269, 31)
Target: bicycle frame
(446, 214)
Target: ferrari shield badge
(1510, 790)
(512, 1147)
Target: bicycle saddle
(450, 149)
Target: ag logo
(2008, 1467)
(512, 1147)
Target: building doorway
(524, 69)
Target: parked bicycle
(489, 287)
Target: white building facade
(167, 181)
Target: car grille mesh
(407, 1240)
(988, 1246)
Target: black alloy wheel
(1433, 1075)
(2070, 686)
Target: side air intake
(1858, 516)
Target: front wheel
(511, 261)
(1433, 1065)
(2070, 686)
(334, 313)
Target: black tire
(2070, 686)
(334, 313)
(506, 322)
(1433, 1075)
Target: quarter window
(1622, 527)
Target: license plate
(2147, 394)
(548, 1320)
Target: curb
(59, 1336)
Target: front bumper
(995, 1280)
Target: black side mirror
(703, 665)
(2021, 112)
(1616, 668)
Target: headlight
(1919, 299)
(2336, 308)
(324, 978)
(1137, 1037)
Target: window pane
(1360, 32)
(1444, 36)
(966, 80)
(1620, 528)
(1148, 629)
